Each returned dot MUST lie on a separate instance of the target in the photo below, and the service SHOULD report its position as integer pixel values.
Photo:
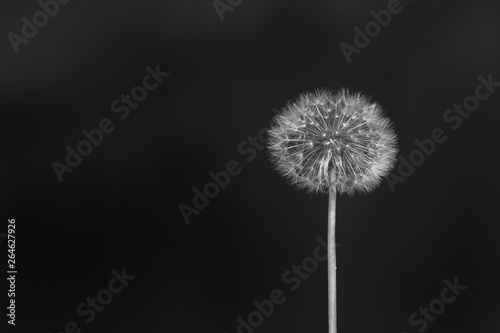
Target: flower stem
(332, 262)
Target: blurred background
(120, 206)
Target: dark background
(119, 208)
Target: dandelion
(333, 143)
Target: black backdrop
(119, 208)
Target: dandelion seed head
(325, 140)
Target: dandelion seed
(329, 143)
